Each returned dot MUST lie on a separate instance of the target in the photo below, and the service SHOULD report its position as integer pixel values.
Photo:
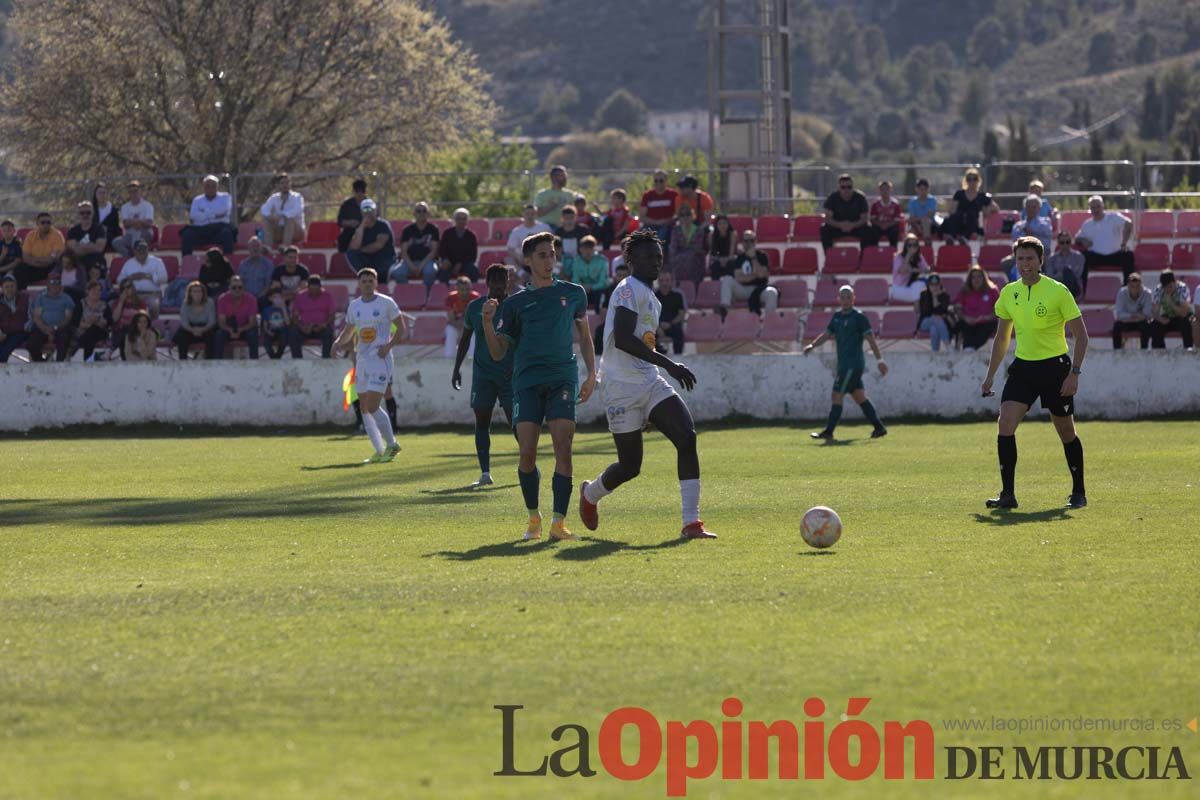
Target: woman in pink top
(909, 269)
(975, 303)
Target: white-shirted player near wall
(369, 319)
(633, 392)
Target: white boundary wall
(1115, 385)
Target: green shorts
(544, 402)
(485, 391)
(848, 380)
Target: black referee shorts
(1028, 381)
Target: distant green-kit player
(491, 380)
(849, 327)
(540, 325)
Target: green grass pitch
(249, 616)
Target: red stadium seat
(482, 229)
(315, 263)
(774, 229)
(1156, 225)
(898, 324)
(993, 224)
(322, 234)
(953, 257)
(501, 228)
(708, 294)
(703, 326)
(688, 289)
(816, 322)
(878, 260)
(740, 326)
(489, 257)
(339, 267)
(793, 292)
(952, 284)
(772, 260)
(246, 232)
(740, 224)
(189, 267)
(808, 228)
(1185, 256)
(871, 291)
(1187, 225)
(398, 226)
(168, 238)
(428, 329)
(114, 268)
(170, 262)
(1098, 321)
(409, 296)
(1151, 256)
(443, 225)
(1102, 289)
(826, 293)
(990, 255)
(340, 295)
(800, 261)
(1070, 221)
(780, 326)
(841, 259)
(236, 259)
(437, 297)
(23, 232)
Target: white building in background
(679, 128)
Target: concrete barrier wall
(1116, 385)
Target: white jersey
(617, 365)
(373, 322)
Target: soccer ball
(821, 526)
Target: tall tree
(232, 85)
(976, 100)
(1103, 54)
(1150, 125)
(622, 110)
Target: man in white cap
(210, 216)
(373, 244)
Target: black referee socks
(1006, 447)
(1074, 452)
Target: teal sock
(529, 488)
(561, 486)
(869, 412)
(835, 413)
(483, 447)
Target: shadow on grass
(469, 489)
(141, 511)
(811, 553)
(497, 550)
(838, 442)
(1008, 517)
(588, 548)
(599, 548)
(323, 467)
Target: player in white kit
(633, 392)
(369, 319)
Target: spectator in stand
(275, 324)
(74, 279)
(590, 270)
(141, 342)
(1045, 209)
(124, 307)
(909, 271)
(1133, 312)
(658, 207)
(211, 216)
(350, 214)
(237, 318)
(618, 222)
(974, 307)
(148, 273)
(197, 321)
(937, 316)
(419, 249)
(1030, 224)
(750, 280)
(969, 203)
(671, 316)
(886, 215)
(216, 273)
(456, 313)
(458, 252)
(922, 212)
(14, 314)
(312, 318)
(690, 194)
(95, 322)
(10, 247)
(847, 214)
(1173, 311)
(372, 244)
(256, 270)
(620, 273)
(549, 202)
(687, 259)
(40, 252)
(137, 217)
(571, 233)
(721, 246)
(582, 217)
(291, 274)
(1105, 240)
(94, 276)
(105, 214)
(283, 216)
(52, 313)
(87, 239)
(530, 225)
(1065, 265)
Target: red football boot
(588, 512)
(695, 530)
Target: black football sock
(561, 486)
(1006, 446)
(358, 413)
(391, 408)
(483, 447)
(869, 411)
(1074, 452)
(529, 488)
(835, 413)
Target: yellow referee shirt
(1038, 314)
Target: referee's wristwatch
(1076, 371)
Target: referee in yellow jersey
(1037, 308)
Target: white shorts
(372, 373)
(628, 405)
